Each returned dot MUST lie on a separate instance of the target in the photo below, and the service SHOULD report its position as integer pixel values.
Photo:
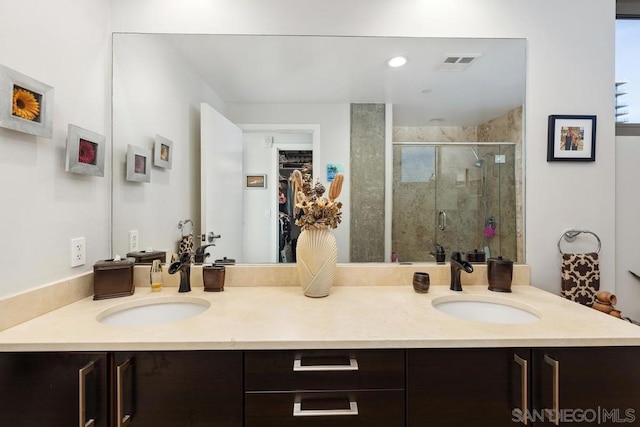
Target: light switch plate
(78, 252)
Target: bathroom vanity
(364, 356)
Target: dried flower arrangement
(316, 211)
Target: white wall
(627, 229)
(150, 77)
(570, 70)
(65, 45)
(260, 231)
(335, 133)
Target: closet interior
(290, 160)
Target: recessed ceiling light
(397, 61)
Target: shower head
(479, 161)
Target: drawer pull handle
(523, 381)
(555, 415)
(299, 367)
(123, 420)
(82, 385)
(299, 412)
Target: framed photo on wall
(255, 180)
(85, 151)
(571, 138)
(138, 164)
(26, 105)
(162, 152)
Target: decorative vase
(316, 258)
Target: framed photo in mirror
(26, 105)
(162, 152)
(255, 181)
(571, 138)
(85, 151)
(138, 164)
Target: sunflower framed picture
(138, 164)
(26, 105)
(85, 151)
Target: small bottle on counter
(155, 276)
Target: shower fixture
(479, 161)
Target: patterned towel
(580, 277)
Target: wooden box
(141, 257)
(113, 279)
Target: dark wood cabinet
(533, 387)
(338, 388)
(177, 389)
(597, 385)
(53, 389)
(464, 387)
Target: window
(627, 71)
(627, 87)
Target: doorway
(288, 231)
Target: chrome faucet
(202, 254)
(184, 267)
(457, 265)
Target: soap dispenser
(155, 276)
(500, 274)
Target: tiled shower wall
(508, 128)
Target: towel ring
(182, 224)
(570, 236)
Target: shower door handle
(442, 220)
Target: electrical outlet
(133, 240)
(78, 252)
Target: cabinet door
(380, 408)
(598, 385)
(177, 389)
(53, 389)
(465, 387)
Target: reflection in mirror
(469, 189)
(333, 96)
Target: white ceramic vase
(316, 258)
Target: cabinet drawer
(324, 370)
(317, 409)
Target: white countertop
(351, 317)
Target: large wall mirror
(237, 112)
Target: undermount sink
(486, 309)
(153, 311)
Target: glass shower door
(459, 198)
(459, 195)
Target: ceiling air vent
(457, 62)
